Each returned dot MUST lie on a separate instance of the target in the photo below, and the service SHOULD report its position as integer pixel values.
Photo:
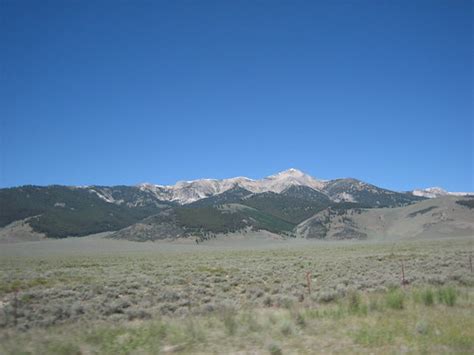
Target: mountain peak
(286, 178)
(291, 172)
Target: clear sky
(123, 92)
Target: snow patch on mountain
(344, 196)
(106, 195)
(433, 192)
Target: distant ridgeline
(200, 208)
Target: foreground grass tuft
(395, 299)
(447, 295)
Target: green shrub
(327, 296)
(374, 305)
(286, 301)
(274, 348)
(421, 327)
(267, 301)
(287, 327)
(230, 322)
(395, 299)
(447, 295)
(300, 320)
(354, 302)
(427, 297)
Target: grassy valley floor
(96, 296)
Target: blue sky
(122, 92)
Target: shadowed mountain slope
(202, 223)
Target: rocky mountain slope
(185, 192)
(350, 190)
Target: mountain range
(201, 209)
